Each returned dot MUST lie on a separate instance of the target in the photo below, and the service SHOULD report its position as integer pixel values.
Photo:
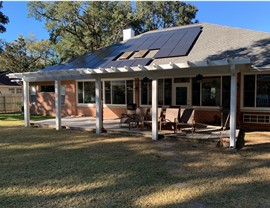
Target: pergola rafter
(155, 71)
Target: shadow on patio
(203, 132)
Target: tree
(162, 14)
(3, 19)
(80, 27)
(26, 54)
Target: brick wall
(45, 103)
(108, 112)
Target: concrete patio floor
(203, 132)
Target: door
(181, 94)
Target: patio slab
(203, 132)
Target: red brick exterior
(45, 105)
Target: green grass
(17, 118)
(46, 168)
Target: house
(10, 94)
(7, 87)
(204, 66)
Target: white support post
(154, 109)
(99, 122)
(26, 109)
(58, 104)
(233, 106)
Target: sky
(242, 14)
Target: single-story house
(7, 86)
(204, 66)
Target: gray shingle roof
(215, 42)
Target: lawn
(17, 118)
(46, 168)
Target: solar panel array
(170, 43)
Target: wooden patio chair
(170, 118)
(186, 120)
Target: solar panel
(135, 45)
(179, 43)
(126, 63)
(159, 43)
(148, 43)
(182, 48)
(142, 62)
(169, 43)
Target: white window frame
(118, 105)
(77, 87)
(251, 109)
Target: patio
(203, 132)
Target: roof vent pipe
(128, 33)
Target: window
(146, 91)
(167, 91)
(33, 94)
(46, 88)
(129, 91)
(18, 91)
(196, 92)
(118, 92)
(11, 90)
(63, 94)
(263, 91)
(226, 91)
(211, 91)
(164, 91)
(160, 92)
(257, 90)
(249, 90)
(86, 92)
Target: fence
(10, 103)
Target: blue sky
(243, 14)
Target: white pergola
(205, 67)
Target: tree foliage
(80, 27)
(26, 54)
(3, 19)
(152, 15)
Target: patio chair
(186, 120)
(137, 119)
(170, 118)
(148, 117)
(125, 117)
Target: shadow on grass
(48, 168)
(42, 167)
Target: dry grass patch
(47, 168)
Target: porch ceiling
(188, 68)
